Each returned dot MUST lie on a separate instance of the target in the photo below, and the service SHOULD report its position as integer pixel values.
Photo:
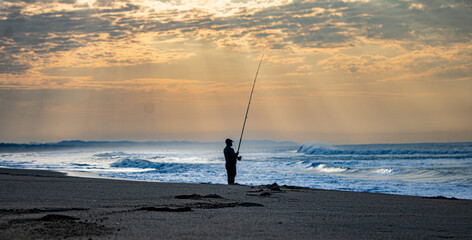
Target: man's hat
(228, 141)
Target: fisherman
(230, 157)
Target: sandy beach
(38, 204)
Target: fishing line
(249, 103)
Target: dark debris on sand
(265, 194)
(211, 201)
(273, 187)
(295, 187)
(270, 187)
(249, 204)
(198, 205)
(441, 197)
(209, 205)
(57, 217)
(206, 205)
(165, 209)
(267, 190)
(198, 196)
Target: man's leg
(231, 172)
(230, 179)
(234, 173)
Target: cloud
(425, 64)
(416, 6)
(51, 33)
(10, 63)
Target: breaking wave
(316, 148)
(135, 163)
(386, 149)
(323, 168)
(160, 167)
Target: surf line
(249, 103)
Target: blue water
(427, 169)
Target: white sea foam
(383, 171)
(112, 154)
(323, 168)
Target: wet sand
(37, 204)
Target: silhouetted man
(230, 157)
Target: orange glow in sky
(343, 71)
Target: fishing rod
(249, 103)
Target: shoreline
(46, 204)
(428, 170)
(93, 175)
(97, 176)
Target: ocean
(419, 169)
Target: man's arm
(238, 157)
(234, 155)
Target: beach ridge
(38, 204)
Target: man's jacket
(230, 156)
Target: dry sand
(38, 204)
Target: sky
(334, 71)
